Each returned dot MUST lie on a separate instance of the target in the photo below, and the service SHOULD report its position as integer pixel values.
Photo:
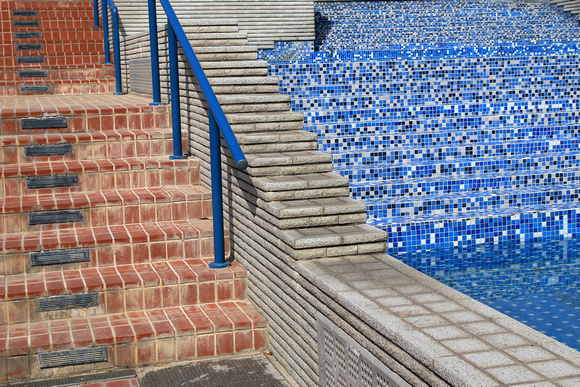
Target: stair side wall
(277, 283)
(265, 21)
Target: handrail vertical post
(175, 105)
(117, 49)
(153, 39)
(96, 13)
(105, 8)
(216, 195)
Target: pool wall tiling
(453, 133)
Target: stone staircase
(104, 241)
(265, 22)
(288, 194)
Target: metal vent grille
(345, 363)
(141, 79)
(74, 357)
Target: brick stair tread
(129, 327)
(62, 201)
(30, 286)
(25, 106)
(97, 166)
(92, 236)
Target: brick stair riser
(112, 214)
(93, 121)
(88, 146)
(383, 172)
(474, 183)
(55, 25)
(489, 230)
(490, 202)
(95, 180)
(94, 86)
(55, 62)
(61, 36)
(136, 339)
(63, 49)
(96, 72)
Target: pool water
(536, 283)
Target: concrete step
(83, 113)
(295, 140)
(256, 122)
(248, 103)
(103, 208)
(288, 163)
(293, 214)
(310, 186)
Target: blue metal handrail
(96, 13)
(116, 42)
(217, 119)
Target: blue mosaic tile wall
(459, 141)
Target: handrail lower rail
(105, 5)
(217, 119)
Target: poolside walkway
(253, 370)
(464, 341)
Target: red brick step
(108, 208)
(135, 338)
(90, 145)
(97, 175)
(111, 245)
(88, 112)
(119, 289)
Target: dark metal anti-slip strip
(24, 12)
(29, 46)
(35, 89)
(51, 217)
(52, 181)
(32, 73)
(30, 59)
(27, 34)
(57, 257)
(44, 123)
(26, 23)
(74, 357)
(80, 380)
(75, 301)
(48, 150)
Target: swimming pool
(536, 282)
